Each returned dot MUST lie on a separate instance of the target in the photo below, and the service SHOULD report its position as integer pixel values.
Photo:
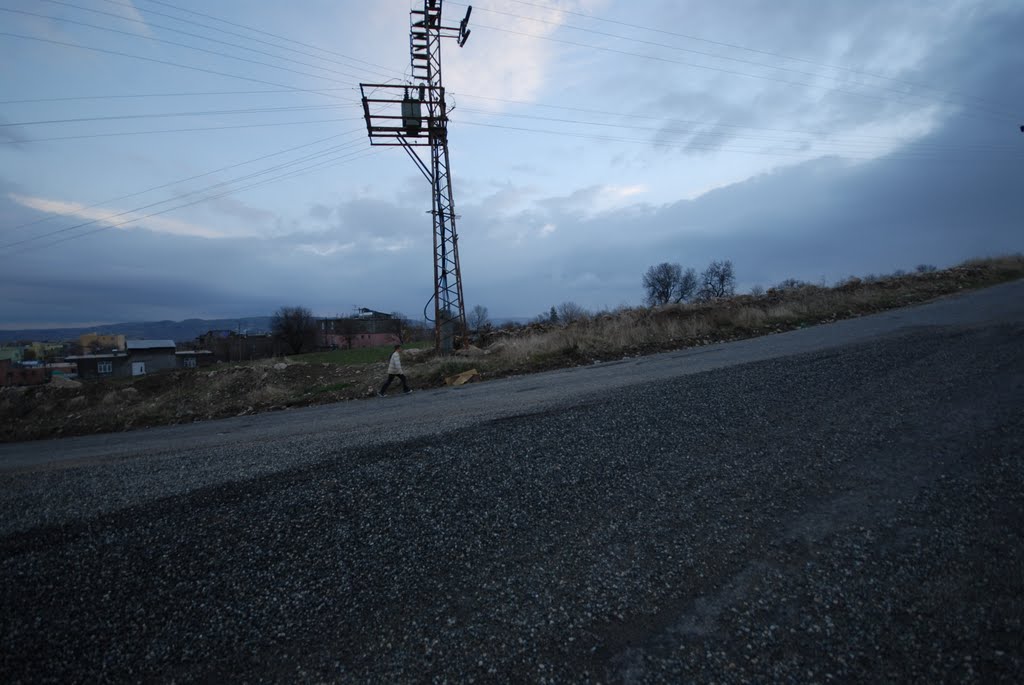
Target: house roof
(191, 352)
(149, 344)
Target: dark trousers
(391, 377)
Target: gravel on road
(849, 515)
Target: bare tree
(924, 268)
(757, 290)
(667, 282)
(479, 318)
(661, 282)
(687, 286)
(295, 327)
(569, 312)
(718, 280)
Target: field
(365, 355)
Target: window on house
(190, 362)
(104, 367)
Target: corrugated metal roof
(149, 344)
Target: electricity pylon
(413, 116)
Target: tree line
(669, 283)
(664, 283)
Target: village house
(23, 374)
(194, 359)
(139, 358)
(45, 351)
(12, 353)
(101, 365)
(367, 329)
(94, 342)
(229, 346)
(147, 356)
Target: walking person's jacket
(395, 365)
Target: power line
(293, 174)
(706, 67)
(163, 95)
(755, 50)
(249, 28)
(697, 122)
(858, 139)
(222, 184)
(293, 90)
(850, 144)
(192, 178)
(184, 45)
(864, 155)
(202, 37)
(580, 14)
(179, 130)
(177, 197)
(695, 52)
(585, 110)
(672, 47)
(165, 115)
(597, 47)
(159, 61)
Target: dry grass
(1005, 263)
(640, 330)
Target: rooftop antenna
(417, 116)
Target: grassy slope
(365, 355)
(645, 330)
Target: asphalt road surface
(839, 503)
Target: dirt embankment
(66, 408)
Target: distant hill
(178, 331)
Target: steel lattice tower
(398, 115)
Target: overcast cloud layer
(667, 155)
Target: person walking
(395, 371)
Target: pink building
(368, 329)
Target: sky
(183, 159)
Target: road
(842, 502)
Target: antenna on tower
(397, 119)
